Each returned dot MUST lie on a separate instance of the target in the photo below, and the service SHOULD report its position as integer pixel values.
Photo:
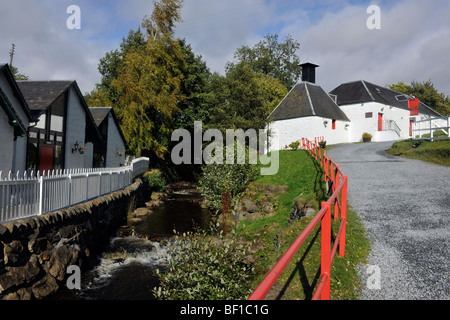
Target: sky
(412, 44)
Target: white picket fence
(25, 194)
(429, 127)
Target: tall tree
(273, 58)
(427, 93)
(149, 83)
(248, 97)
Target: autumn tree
(149, 83)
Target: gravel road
(405, 207)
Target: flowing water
(127, 268)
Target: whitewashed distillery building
(345, 113)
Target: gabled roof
(362, 91)
(307, 99)
(41, 94)
(14, 119)
(101, 113)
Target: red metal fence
(338, 200)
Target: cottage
(386, 114)
(65, 133)
(308, 111)
(15, 119)
(111, 153)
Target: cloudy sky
(412, 44)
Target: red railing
(338, 184)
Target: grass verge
(304, 178)
(437, 152)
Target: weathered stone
(37, 245)
(18, 276)
(45, 287)
(4, 232)
(21, 294)
(249, 205)
(142, 212)
(61, 259)
(12, 252)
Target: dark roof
(363, 91)
(100, 114)
(19, 127)
(40, 94)
(307, 99)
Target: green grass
(304, 178)
(437, 152)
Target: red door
(380, 122)
(46, 159)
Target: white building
(343, 115)
(308, 111)
(65, 133)
(386, 114)
(15, 118)
(111, 153)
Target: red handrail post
(325, 266)
(343, 217)
(336, 206)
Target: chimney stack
(309, 72)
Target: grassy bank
(437, 152)
(304, 179)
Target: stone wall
(36, 252)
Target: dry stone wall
(36, 252)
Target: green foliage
(246, 98)
(205, 267)
(272, 58)
(366, 135)
(155, 180)
(294, 145)
(426, 92)
(232, 178)
(16, 74)
(435, 152)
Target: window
(333, 124)
(369, 114)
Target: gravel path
(405, 207)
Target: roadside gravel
(405, 208)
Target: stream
(127, 268)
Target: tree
(270, 57)
(149, 84)
(248, 97)
(16, 74)
(426, 93)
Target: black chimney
(309, 72)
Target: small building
(15, 119)
(111, 152)
(308, 111)
(384, 113)
(65, 132)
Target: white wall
(310, 127)
(75, 132)
(13, 153)
(114, 145)
(7, 144)
(360, 124)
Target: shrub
(323, 144)
(206, 268)
(294, 145)
(155, 180)
(232, 178)
(367, 135)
